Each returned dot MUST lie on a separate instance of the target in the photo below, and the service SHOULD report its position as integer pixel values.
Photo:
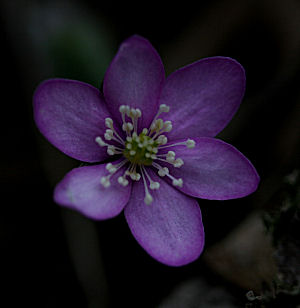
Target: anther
(108, 134)
(154, 185)
(109, 123)
(178, 163)
(190, 143)
(164, 108)
(100, 141)
(177, 182)
(105, 181)
(162, 139)
(111, 168)
(123, 181)
(148, 199)
(167, 126)
(127, 127)
(163, 171)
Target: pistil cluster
(141, 150)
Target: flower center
(141, 150)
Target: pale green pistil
(140, 149)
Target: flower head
(158, 136)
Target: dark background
(53, 257)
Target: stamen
(153, 184)
(112, 150)
(110, 124)
(189, 143)
(170, 158)
(178, 163)
(164, 171)
(148, 198)
(109, 134)
(127, 127)
(162, 108)
(100, 141)
(162, 139)
(105, 181)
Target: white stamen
(111, 168)
(127, 127)
(153, 184)
(109, 123)
(167, 126)
(190, 143)
(170, 157)
(178, 163)
(148, 198)
(123, 181)
(123, 109)
(162, 139)
(138, 112)
(112, 150)
(108, 134)
(100, 141)
(164, 108)
(105, 181)
(177, 182)
(162, 171)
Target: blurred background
(53, 257)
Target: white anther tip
(163, 171)
(168, 126)
(154, 185)
(109, 122)
(100, 141)
(138, 112)
(164, 108)
(190, 143)
(178, 163)
(148, 199)
(122, 108)
(178, 182)
(105, 181)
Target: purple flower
(156, 136)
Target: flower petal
(134, 78)
(170, 228)
(215, 170)
(82, 191)
(203, 97)
(70, 114)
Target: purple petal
(203, 97)
(215, 170)
(134, 78)
(71, 114)
(170, 228)
(82, 191)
